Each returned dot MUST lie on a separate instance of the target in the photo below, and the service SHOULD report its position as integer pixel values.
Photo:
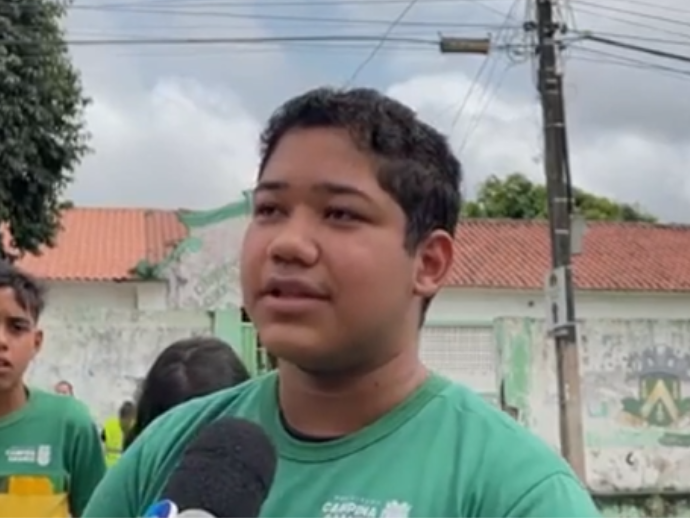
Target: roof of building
(615, 256)
(100, 244)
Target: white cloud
(181, 145)
(167, 129)
(178, 127)
(627, 165)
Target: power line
(633, 13)
(381, 42)
(631, 23)
(484, 103)
(273, 3)
(611, 58)
(291, 18)
(637, 37)
(109, 42)
(655, 5)
(468, 94)
(487, 96)
(637, 48)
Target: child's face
(325, 275)
(20, 340)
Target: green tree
(42, 132)
(517, 197)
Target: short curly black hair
(416, 165)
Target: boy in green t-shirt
(50, 454)
(350, 239)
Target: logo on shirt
(354, 507)
(43, 454)
(40, 455)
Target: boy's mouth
(5, 364)
(292, 288)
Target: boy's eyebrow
(20, 319)
(332, 188)
(270, 186)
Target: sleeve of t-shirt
(86, 460)
(558, 496)
(117, 494)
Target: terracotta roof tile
(615, 256)
(163, 232)
(98, 244)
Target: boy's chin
(304, 347)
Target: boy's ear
(38, 341)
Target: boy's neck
(331, 407)
(14, 399)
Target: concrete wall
(62, 295)
(102, 337)
(104, 353)
(203, 271)
(636, 398)
(474, 305)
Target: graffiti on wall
(213, 286)
(203, 272)
(649, 406)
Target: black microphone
(227, 471)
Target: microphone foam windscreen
(226, 470)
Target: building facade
(120, 299)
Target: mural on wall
(636, 388)
(635, 392)
(203, 271)
(662, 375)
(640, 384)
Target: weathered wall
(463, 304)
(147, 295)
(636, 398)
(105, 352)
(203, 271)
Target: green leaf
(42, 134)
(517, 197)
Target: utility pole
(560, 205)
(558, 186)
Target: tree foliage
(42, 133)
(517, 197)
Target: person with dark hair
(351, 236)
(115, 429)
(51, 457)
(186, 369)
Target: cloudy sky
(176, 125)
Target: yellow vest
(114, 440)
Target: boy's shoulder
(66, 409)
(496, 433)
(238, 401)
(507, 460)
(161, 445)
(179, 424)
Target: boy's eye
(18, 325)
(341, 214)
(265, 209)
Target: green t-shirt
(443, 452)
(51, 458)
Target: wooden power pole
(558, 186)
(559, 281)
